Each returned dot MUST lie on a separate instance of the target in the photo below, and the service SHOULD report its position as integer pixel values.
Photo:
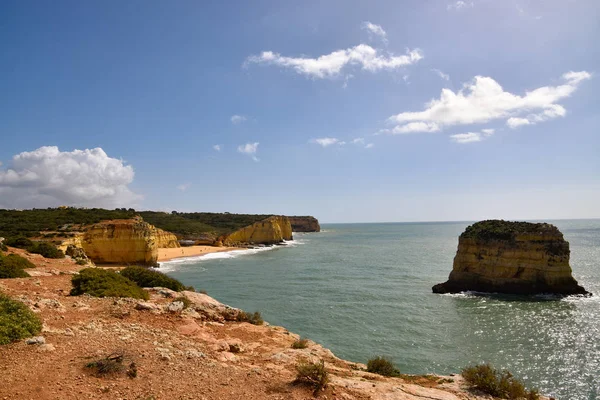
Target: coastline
(168, 254)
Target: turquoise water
(365, 289)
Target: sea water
(364, 290)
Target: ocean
(364, 290)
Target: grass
(13, 265)
(253, 318)
(300, 344)
(105, 283)
(17, 321)
(312, 374)
(146, 277)
(382, 366)
(495, 229)
(113, 364)
(501, 384)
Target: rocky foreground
(178, 353)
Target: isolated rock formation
(511, 257)
(126, 241)
(305, 224)
(272, 230)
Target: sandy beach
(169, 254)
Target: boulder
(511, 257)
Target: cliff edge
(269, 231)
(305, 224)
(511, 257)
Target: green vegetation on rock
(99, 282)
(312, 374)
(146, 277)
(495, 229)
(17, 321)
(382, 366)
(46, 249)
(13, 265)
(501, 384)
(254, 318)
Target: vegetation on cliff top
(495, 229)
(105, 283)
(13, 265)
(17, 321)
(501, 384)
(145, 277)
(382, 366)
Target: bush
(253, 318)
(17, 321)
(382, 366)
(112, 365)
(186, 302)
(3, 247)
(312, 374)
(500, 384)
(104, 283)
(300, 344)
(12, 265)
(146, 277)
(47, 250)
(19, 242)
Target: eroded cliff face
(272, 230)
(511, 257)
(126, 241)
(305, 224)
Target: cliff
(305, 224)
(511, 257)
(125, 241)
(272, 230)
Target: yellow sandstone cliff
(126, 241)
(272, 230)
(305, 224)
(511, 257)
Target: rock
(193, 353)
(272, 230)
(47, 347)
(175, 306)
(235, 346)
(126, 241)
(511, 257)
(146, 306)
(305, 224)
(36, 340)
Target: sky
(351, 111)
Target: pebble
(36, 340)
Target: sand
(190, 251)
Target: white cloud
(49, 177)
(459, 5)
(515, 122)
(369, 146)
(412, 127)
(249, 149)
(217, 147)
(488, 131)
(374, 29)
(483, 100)
(238, 119)
(358, 141)
(327, 141)
(330, 65)
(184, 186)
(469, 137)
(441, 74)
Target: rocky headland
(305, 224)
(272, 230)
(511, 257)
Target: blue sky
(347, 110)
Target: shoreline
(168, 254)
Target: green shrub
(253, 318)
(382, 366)
(186, 302)
(300, 344)
(312, 374)
(3, 247)
(19, 242)
(47, 250)
(104, 283)
(500, 384)
(17, 321)
(12, 265)
(146, 277)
